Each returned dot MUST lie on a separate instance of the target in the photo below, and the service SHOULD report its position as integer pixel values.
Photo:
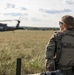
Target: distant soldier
(60, 48)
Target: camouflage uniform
(51, 54)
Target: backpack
(65, 49)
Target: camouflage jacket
(50, 50)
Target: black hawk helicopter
(4, 27)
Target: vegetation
(25, 44)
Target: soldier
(60, 48)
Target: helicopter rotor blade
(8, 20)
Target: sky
(36, 13)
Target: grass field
(25, 44)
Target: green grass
(25, 44)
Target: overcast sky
(37, 13)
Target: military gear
(64, 50)
(50, 55)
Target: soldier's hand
(50, 66)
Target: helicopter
(5, 27)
